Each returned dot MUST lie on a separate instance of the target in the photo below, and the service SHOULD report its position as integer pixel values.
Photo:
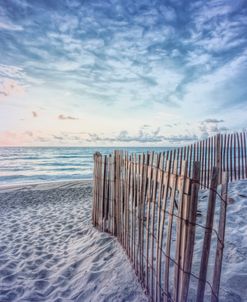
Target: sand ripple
(50, 252)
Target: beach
(49, 250)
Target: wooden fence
(150, 202)
(153, 213)
(228, 152)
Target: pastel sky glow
(121, 72)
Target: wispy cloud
(213, 120)
(11, 71)
(29, 133)
(10, 26)
(142, 137)
(58, 137)
(66, 117)
(9, 87)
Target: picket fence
(151, 203)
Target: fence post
(114, 204)
(179, 230)
(219, 156)
(173, 183)
(189, 245)
(207, 235)
(220, 243)
(104, 199)
(94, 188)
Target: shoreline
(45, 183)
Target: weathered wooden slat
(153, 200)
(107, 195)
(205, 163)
(234, 156)
(135, 212)
(100, 203)
(208, 162)
(239, 156)
(127, 203)
(142, 212)
(190, 160)
(138, 216)
(149, 194)
(245, 152)
(159, 199)
(169, 233)
(201, 161)
(189, 246)
(220, 242)
(207, 235)
(228, 153)
(94, 189)
(112, 193)
(218, 155)
(164, 197)
(179, 225)
(118, 202)
(231, 156)
(104, 201)
(132, 209)
(224, 153)
(242, 155)
(180, 160)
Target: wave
(35, 164)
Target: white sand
(50, 252)
(234, 271)
(234, 267)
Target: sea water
(44, 164)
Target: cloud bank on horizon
(121, 72)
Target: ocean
(45, 164)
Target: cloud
(142, 137)
(212, 120)
(42, 139)
(11, 71)
(9, 87)
(222, 129)
(66, 117)
(58, 137)
(10, 26)
(29, 133)
(35, 114)
(182, 138)
(210, 127)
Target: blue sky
(121, 72)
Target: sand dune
(50, 252)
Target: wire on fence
(138, 196)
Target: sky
(121, 72)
